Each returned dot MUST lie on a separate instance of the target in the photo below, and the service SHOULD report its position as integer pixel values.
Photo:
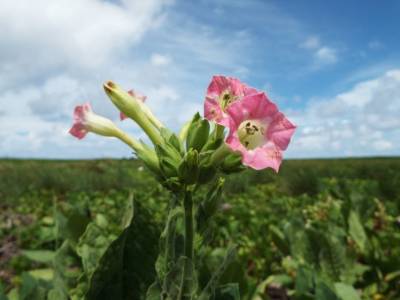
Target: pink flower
(86, 120)
(135, 95)
(258, 131)
(221, 94)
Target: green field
(318, 225)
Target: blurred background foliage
(320, 229)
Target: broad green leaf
(72, 222)
(304, 280)
(126, 269)
(154, 292)
(356, 231)
(44, 274)
(324, 292)
(2, 292)
(41, 256)
(172, 281)
(60, 265)
(56, 295)
(31, 288)
(209, 290)
(168, 240)
(346, 292)
(13, 294)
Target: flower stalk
(187, 274)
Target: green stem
(170, 234)
(130, 141)
(187, 276)
(189, 229)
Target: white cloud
(311, 42)
(326, 55)
(73, 34)
(382, 145)
(160, 60)
(62, 52)
(363, 121)
(323, 55)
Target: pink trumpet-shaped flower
(136, 95)
(258, 131)
(221, 94)
(86, 120)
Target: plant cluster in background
(326, 200)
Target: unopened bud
(189, 168)
(198, 133)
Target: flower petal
(135, 95)
(217, 85)
(263, 157)
(122, 116)
(212, 110)
(259, 106)
(280, 131)
(78, 130)
(237, 113)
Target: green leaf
(72, 222)
(357, 232)
(332, 257)
(44, 274)
(40, 256)
(209, 205)
(324, 292)
(228, 291)
(346, 292)
(127, 267)
(2, 292)
(56, 295)
(174, 141)
(13, 294)
(279, 239)
(392, 275)
(60, 266)
(172, 281)
(304, 280)
(167, 253)
(154, 292)
(31, 288)
(209, 290)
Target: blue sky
(332, 66)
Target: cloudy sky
(332, 66)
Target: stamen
(251, 134)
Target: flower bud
(134, 109)
(198, 133)
(189, 167)
(169, 158)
